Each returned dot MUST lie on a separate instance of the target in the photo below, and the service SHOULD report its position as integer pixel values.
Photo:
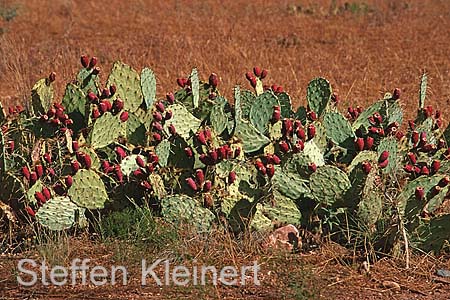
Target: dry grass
(363, 55)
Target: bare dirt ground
(364, 51)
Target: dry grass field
(365, 48)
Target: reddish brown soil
(362, 54)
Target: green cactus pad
(148, 86)
(195, 85)
(145, 117)
(437, 200)
(179, 209)
(318, 95)
(259, 221)
(262, 110)
(157, 185)
(76, 106)
(106, 130)
(371, 205)
(389, 144)
(362, 119)
(37, 187)
(185, 123)
(432, 234)
(313, 153)
(408, 204)
(252, 139)
(286, 105)
(281, 210)
(393, 113)
(290, 184)
(247, 98)
(128, 85)
(87, 81)
(301, 114)
(329, 184)
(136, 130)
(218, 117)
(370, 156)
(129, 164)
(59, 213)
(338, 129)
(42, 96)
(163, 152)
(88, 190)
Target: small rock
(286, 237)
(391, 285)
(443, 273)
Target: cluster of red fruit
(288, 129)
(103, 105)
(257, 73)
(56, 116)
(265, 165)
(420, 191)
(90, 64)
(15, 110)
(158, 118)
(421, 168)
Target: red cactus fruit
(438, 123)
(156, 137)
(172, 129)
(284, 147)
(312, 115)
(120, 152)
(429, 111)
(435, 166)
(213, 80)
(249, 76)
(441, 144)
(75, 165)
(124, 116)
(106, 93)
(207, 186)
(207, 133)
(157, 116)
(222, 151)
(257, 71)
(259, 164)
(95, 113)
(423, 138)
(138, 173)
(311, 131)
(444, 181)
(92, 97)
(428, 148)
(191, 183)
(170, 97)
(368, 143)
(118, 172)
(424, 171)
(378, 118)
(213, 155)
(39, 169)
(399, 135)
(420, 193)
(231, 177)
(275, 159)
(412, 158)
(415, 137)
(160, 107)
(52, 77)
(112, 89)
(188, 152)
(59, 189)
(40, 197)
(264, 73)
(168, 115)
(118, 105)
(75, 146)
(84, 61)
(201, 137)
(411, 124)
(396, 94)
(46, 193)
(87, 161)
(96, 71)
(367, 167)
(359, 144)
(383, 156)
(301, 133)
(237, 152)
(200, 176)
(299, 146)
(140, 162)
(253, 82)
(312, 167)
(383, 164)
(287, 127)
(150, 168)
(69, 181)
(270, 170)
(30, 211)
(276, 115)
(373, 130)
(26, 172)
(146, 185)
(157, 126)
(93, 62)
(408, 168)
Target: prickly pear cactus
(285, 104)
(136, 130)
(371, 205)
(261, 111)
(338, 129)
(59, 213)
(432, 234)
(182, 209)
(318, 95)
(129, 164)
(390, 145)
(106, 130)
(423, 90)
(328, 184)
(246, 100)
(76, 106)
(185, 123)
(363, 118)
(252, 139)
(42, 96)
(290, 184)
(148, 86)
(195, 85)
(128, 84)
(88, 190)
(87, 80)
(163, 152)
(280, 210)
(218, 117)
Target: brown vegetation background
(364, 52)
